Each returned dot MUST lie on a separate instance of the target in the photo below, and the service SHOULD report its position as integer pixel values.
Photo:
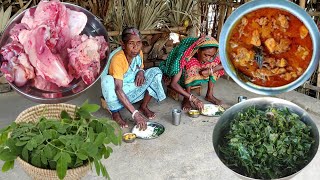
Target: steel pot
(93, 28)
(258, 4)
(263, 103)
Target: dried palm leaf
(152, 14)
(21, 9)
(144, 14)
(181, 11)
(4, 17)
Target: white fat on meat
(77, 22)
(84, 57)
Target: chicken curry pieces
(270, 46)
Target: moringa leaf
(44, 159)
(97, 166)
(7, 166)
(100, 138)
(48, 152)
(7, 155)
(35, 160)
(82, 156)
(64, 115)
(25, 154)
(62, 164)
(21, 143)
(91, 108)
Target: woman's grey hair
(127, 32)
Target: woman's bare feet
(147, 112)
(213, 100)
(117, 117)
(186, 105)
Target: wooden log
(307, 85)
(219, 2)
(302, 4)
(152, 31)
(312, 13)
(146, 49)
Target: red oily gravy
(286, 43)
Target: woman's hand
(140, 121)
(140, 78)
(205, 72)
(197, 103)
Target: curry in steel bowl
(270, 47)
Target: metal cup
(242, 98)
(176, 116)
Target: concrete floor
(182, 152)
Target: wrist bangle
(141, 70)
(211, 71)
(134, 113)
(190, 97)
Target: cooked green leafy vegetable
(267, 144)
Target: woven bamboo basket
(33, 114)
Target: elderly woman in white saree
(125, 82)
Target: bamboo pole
(214, 21)
(222, 15)
(151, 31)
(229, 11)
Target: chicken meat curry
(271, 47)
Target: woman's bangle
(211, 71)
(190, 97)
(134, 113)
(141, 70)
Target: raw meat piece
(47, 64)
(45, 85)
(85, 55)
(14, 32)
(16, 67)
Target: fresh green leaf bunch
(266, 144)
(61, 144)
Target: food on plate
(153, 130)
(270, 47)
(47, 51)
(268, 143)
(210, 109)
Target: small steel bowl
(194, 113)
(93, 28)
(129, 137)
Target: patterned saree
(182, 57)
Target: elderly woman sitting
(125, 82)
(193, 62)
